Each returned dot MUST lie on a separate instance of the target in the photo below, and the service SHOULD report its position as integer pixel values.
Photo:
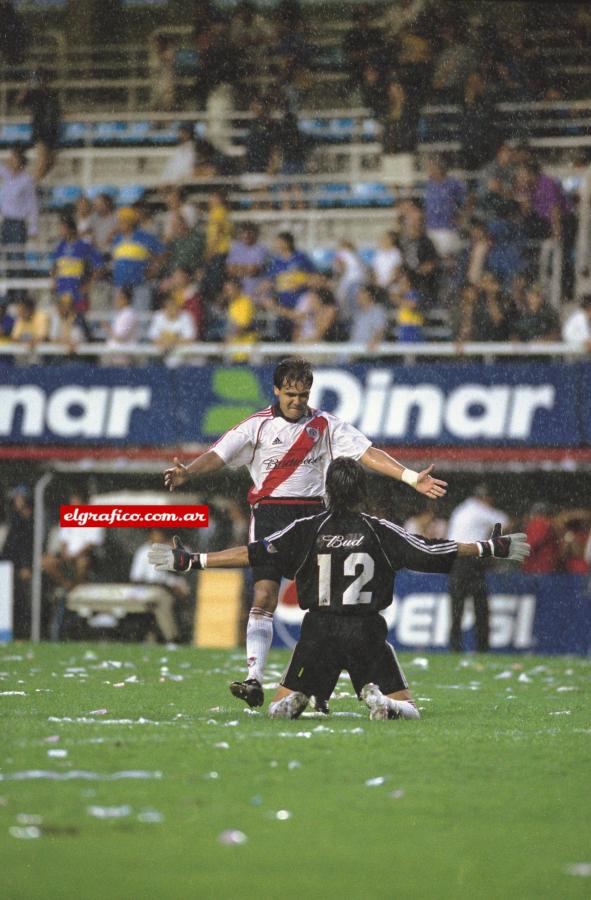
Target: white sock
(404, 709)
(259, 634)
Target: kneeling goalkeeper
(344, 563)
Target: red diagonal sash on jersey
(292, 459)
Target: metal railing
(199, 353)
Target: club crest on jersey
(312, 432)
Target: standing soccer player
(287, 448)
(344, 563)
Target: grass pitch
(486, 797)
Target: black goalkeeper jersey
(346, 564)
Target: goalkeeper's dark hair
(293, 370)
(346, 484)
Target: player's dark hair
(293, 370)
(346, 484)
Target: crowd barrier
(458, 404)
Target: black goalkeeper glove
(177, 558)
(504, 546)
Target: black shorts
(329, 643)
(270, 516)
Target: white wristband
(409, 476)
(203, 560)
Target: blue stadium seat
(76, 133)
(110, 132)
(95, 189)
(334, 194)
(63, 195)
(342, 129)
(130, 194)
(16, 133)
(370, 129)
(164, 136)
(37, 262)
(323, 258)
(136, 133)
(366, 193)
(316, 128)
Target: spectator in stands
(387, 260)
(240, 316)
(293, 145)
(499, 175)
(181, 164)
(217, 244)
(31, 325)
(399, 135)
(544, 541)
(249, 34)
(104, 223)
(209, 161)
(6, 324)
(573, 526)
(18, 548)
(576, 330)
(248, 258)
(373, 89)
(183, 285)
(19, 208)
(14, 37)
(473, 259)
(419, 254)
(537, 320)
(289, 273)
(316, 316)
(162, 73)
(493, 317)
(462, 314)
(362, 44)
(444, 201)
(71, 558)
(74, 263)
(480, 137)
(67, 324)
(185, 242)
(402, 15)
(369, 323)
(171, 327)
(351, 275)
(408, 303)
(44, 104)
(261, 146)
(84, 216)
(217, 65)
(124, 327)
(552, 205)
(451, 67)
(137, 257)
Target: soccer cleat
(289, 707)
(320, 706)
(250, 691)
(379, 709)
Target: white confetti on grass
(77, 774)
(57, 753)
(85, 720)
(376, 782)
(582, 869)
(28, 833)
(28, 819)
(282, 815)
(232, 837)
(561, 712)
(109, 812)
(150, 816)
(13, 693)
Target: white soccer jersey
(263, 443)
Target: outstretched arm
(202, 465)
(422, 482)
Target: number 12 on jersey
(353, 595)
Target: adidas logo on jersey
(276, 441)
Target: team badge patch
(313, 433)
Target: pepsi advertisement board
(528, 614)
(446, 404)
